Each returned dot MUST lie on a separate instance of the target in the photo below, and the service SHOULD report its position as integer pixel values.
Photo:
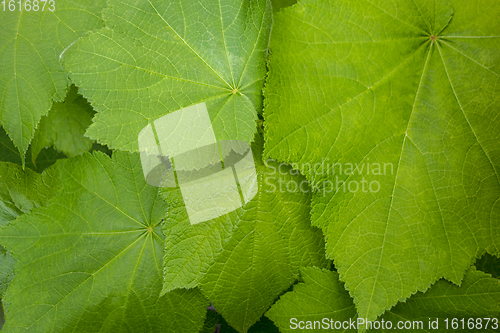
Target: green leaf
(190, 249)
(245, 259)
(64, 127)
(9, 153)
(489, 264)
(163, 56)
(321, 295)
(211, 322)
(101, 148)
(45, 159)
(278, 4)
(31, 76)
(91, 260)
(264, 325)
(477, 297)
(20, 192)
(398, 100)
(7, 263)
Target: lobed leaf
(402, 97)
(156, 57)
(91, 259)
(243, 260)
(321, 295)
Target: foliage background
(88, 246)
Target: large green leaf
(321, 295)
(90, 261)
(64, 127)
(245, 259)
(21, 191)
(31, 76)
(162, 56)
(407, 95)
(190, 249)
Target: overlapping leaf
(21, 191)
(9, 153)
(321, 295)
(278, 4)
(91, 259)
(162, 56)
(64, 127)
(31, 76)
(402, 97)
(245, 259)
(489, 264)
(7, 263)
(477, 297)
(190, 249)
(214, 321)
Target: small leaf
(489, 264)
(211, 322)
(65, 126)
(319, 295)
(9, 153)
(278, 4)
(264, 325)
